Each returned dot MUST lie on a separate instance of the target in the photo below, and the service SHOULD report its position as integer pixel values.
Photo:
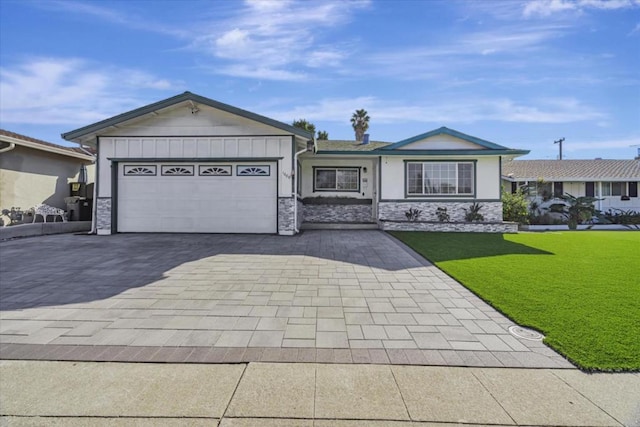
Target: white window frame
(457, 178)
(337, 170)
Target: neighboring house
(192, 164)
(614, 182)
(38, 172)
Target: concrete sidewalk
(263, 394)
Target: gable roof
(446, 131)
(95, 128)
(380, 148)
(38, 144)
(572, 170)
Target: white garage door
(197, 197)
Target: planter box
(459, 227)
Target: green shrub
(515, 207)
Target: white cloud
(555, 110)
(549, 7)
(267, 39)
(129, 20)
(72, 91)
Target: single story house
(189, 164)
(613, 182)
(35, 172)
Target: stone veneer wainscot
(395, 211)
(286, 224)
(103, 215)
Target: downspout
(94, 202)
(295, 190)
(9, 148)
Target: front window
(440, 178)
(614, 188)
(336, 179)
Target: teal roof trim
(444, 130)
(186, 96)
(409, 153)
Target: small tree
(576, 210)
(515, 207)
(323, 134)
(304, 124)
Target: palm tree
(323, 134)
(360, 123)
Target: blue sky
(518, 73)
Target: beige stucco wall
(29, 177)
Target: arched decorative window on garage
(135, 170)
(209, 170)
(180, 170)
(258, 170)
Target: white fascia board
(47, 148)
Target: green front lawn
(581, 289)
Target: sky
(519, 73)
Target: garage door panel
(197, 204)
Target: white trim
(50, 149)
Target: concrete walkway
(330, 296)
(259, 394)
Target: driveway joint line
(406, 408)
(235, 389)
(492, 396)
(587, 398)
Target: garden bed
(460, 227)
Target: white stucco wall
(367, 179)
(487, 175)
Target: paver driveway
(324, 296)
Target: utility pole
(560, 141)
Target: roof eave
(55, 150)
(487, 152)
(79, 134)
(572, 179)
(450, 132)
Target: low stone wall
(395, 211)
(460, 227)
(42, 228)
(337, 213)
